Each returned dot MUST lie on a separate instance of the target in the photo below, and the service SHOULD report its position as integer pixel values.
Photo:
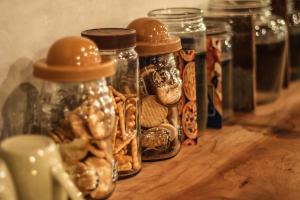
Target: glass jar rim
(177, 13)
(238, 4)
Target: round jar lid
(111, 38)
(153, 37)
(73, 59)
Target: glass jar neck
(189, 19)
(240, 7)
(217, 28)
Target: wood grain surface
(255, 157)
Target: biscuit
(189, 120)
(153, 113)
(189, 81)
(188, 55)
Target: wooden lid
(73, 59)
(111, 38)
(153, 37)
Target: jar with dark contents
(187, 23)
(294, 37)
(160, 89)
(77, 111)
(119, 44)
(270, 36)
(219, 71)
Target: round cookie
(189, 81)
(153, 113)
(189, 120)
(187, 55)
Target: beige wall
(28, 27)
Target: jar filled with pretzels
(77, 111)
(119, 44)
(187, 23)
(160, 89)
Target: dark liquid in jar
(295, 54)
(270, 68)
(227, 88)
(201, 90)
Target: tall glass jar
(187, 23)
(77, 111)
(270, 33)
(119, 44)
(161, 89)
(219, 53)
(294, 37)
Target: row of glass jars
(163, 94)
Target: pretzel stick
(122, 120)
(114, 133)
(117, 99)
(118, 94)
(124, 144)
(127, 89)
(135, 158)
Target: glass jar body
(294, 38)
(124, 87)
(187, 23)
(161, 90)
(219, 52)
(80, 118)
(271, 44)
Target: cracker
(153, 113)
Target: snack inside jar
(160, 89)
(77, 111)
(118, 44)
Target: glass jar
(294, 37)
(219, 71)
(270, 33)
(160, 88)
(187, 23)
(77, 111)
(119, 44)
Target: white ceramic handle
(64, 179)
(7, 191)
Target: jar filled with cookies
(119, 44)
(76, 110)
(187, 23)
(160, 89)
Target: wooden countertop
(256, 157)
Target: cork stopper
(111, 38)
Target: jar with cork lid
(119, 44)
(76, 110)
(160, 89)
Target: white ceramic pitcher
(36, 168)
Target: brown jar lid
(73, 59)
(153, 37)
(111, 38)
